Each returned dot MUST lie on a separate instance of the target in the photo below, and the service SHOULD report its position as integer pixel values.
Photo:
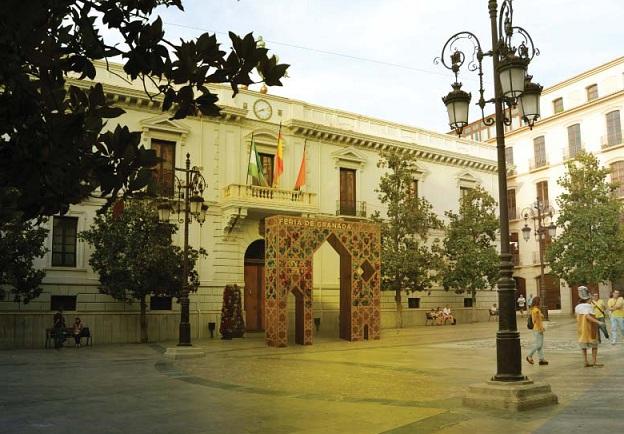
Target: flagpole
(249, 159)
(275, 180)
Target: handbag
(530, 322)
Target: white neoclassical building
(582, 112)
(341, 177)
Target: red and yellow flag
(279, 158)
(300, 182)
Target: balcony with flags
(265, 192)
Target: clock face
(262, 109)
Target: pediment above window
(164, 125)
(349, 157)
(467, 180)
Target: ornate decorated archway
(290, 246)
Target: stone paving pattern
(410, 381)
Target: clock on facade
(262, 109)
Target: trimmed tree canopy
(590, 248)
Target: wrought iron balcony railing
(351, 208)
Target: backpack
(530, 322)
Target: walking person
(600, 312)
(587, 327)
(538, 332)
(77, 331)
(521, 303)
(529, 301)
(615, 306)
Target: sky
(375, 57)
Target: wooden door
(254, 297)
(347, 191)
(552, 297)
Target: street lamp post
(543, 228)
(511, 52)
(188, 204)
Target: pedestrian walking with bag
(536, 323)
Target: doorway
(254, 287)
(552, 294)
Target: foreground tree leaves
(55, 149)
(135, 258)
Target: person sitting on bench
(493, 310)
(447, 315)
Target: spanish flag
(279, 158)
(300, 182)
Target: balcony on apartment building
(351, 208)
(538, 163)
(267, 200)
(611, 141)
(571, 152)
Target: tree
(409, 258)
(20, 243)
(134, 257)
(54, 147)
(590, 248)
(470, 256)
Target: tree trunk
(399, 309)
(143, 320)
(474, 306)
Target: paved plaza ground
(410, 381)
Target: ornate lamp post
(511, 52)
(543, 228)
(188, 204)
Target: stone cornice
(351, 138)
(583, 75)
(558, 116)
(129, 97)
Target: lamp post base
(514, 396)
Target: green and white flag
(255, 167)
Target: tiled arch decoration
(290, 246)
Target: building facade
(341, 177)
(583, 112)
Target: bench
(429, 318)
(68, 333)
(492, 313)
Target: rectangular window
(463, 191)
(64, 231)
(467, 302)
(63, 302)
(574, 140)
(347, 192)
(617, 177)
(160, 303)
(267, 167)
(558, 105)
(413, 189)
(413, 303)
(514, 248)
(614, 128)
(542, 192)
(509, 159)
(511, 204)
(539, 151)
(164, 171)
(592, 92)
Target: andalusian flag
(255, 167)
(279, 158)
(300, 182)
